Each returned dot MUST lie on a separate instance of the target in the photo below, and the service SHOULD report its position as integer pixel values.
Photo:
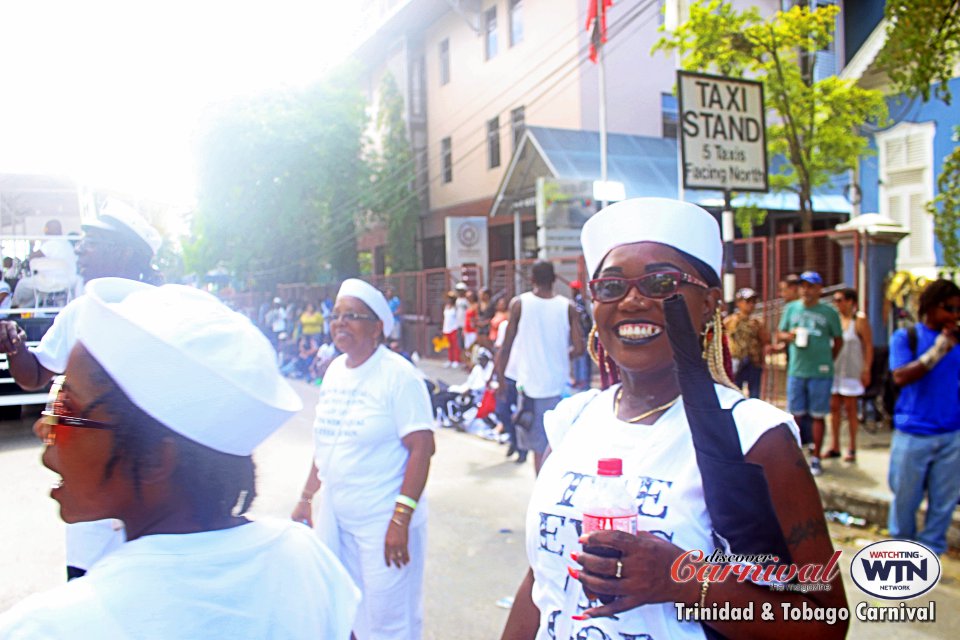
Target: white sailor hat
(371, 296)
(678, 224)
(188, 361)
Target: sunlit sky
(110, 92)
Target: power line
(617, 38)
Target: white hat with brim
(123, 220)
(188, 361)
(370, 296)
(681, 225)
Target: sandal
(833, 453)
(851, 456)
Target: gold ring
(619, 573)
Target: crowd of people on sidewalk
(167, 474)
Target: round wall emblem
(468, 234)
(895, 569)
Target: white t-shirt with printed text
(362, 415)
(660, 469)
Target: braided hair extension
(215, 484)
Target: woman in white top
(451, 330)
(154, 424)
(641, 252)
(851, 371)
(373, 437)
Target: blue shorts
(809, 396)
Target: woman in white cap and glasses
(652, 259)
(373, 442)
(165, 396)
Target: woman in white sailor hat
(655, 265)
(165, 396)
(373, 438)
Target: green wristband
(406, 501)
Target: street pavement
(477, 501)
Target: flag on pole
(597, 27)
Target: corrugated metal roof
(646, 166)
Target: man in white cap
(749, 341)
(119, 244)
(166, 394)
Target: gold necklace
(645, 414)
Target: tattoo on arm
(803, 531)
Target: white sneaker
(447, 364)
(815, 469)
(455, 365)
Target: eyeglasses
(950, 308)
(658, 285)
(55, 416)
(350, 317)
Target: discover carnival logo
(889, 569)
(895, 569)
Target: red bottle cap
(609, 467)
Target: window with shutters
(906, 185)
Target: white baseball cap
(187, 360)
(678, 224)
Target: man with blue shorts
(925, 451)
(814, 334)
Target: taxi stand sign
(722, 133)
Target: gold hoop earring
(592, 341)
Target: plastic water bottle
(608, 505)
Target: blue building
(900, 179)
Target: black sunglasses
(350, 317)
(950, 308)
(658, 285)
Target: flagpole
(603, 104)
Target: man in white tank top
(542, 335)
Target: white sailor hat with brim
(121, 219)
(370, 296)
(681, 225)
(199, 368)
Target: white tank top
(541, 348)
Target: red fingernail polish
(579, 618)
(575, 556)
(582, 539)
(573, 573)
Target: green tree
(922, 47)
(922, 50)
(945, 207)
(812, 125)
(279, 178)
(394, 200)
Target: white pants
(392, 604)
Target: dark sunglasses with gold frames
(56, 415)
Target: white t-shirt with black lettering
(362, 415)
(660, 469)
